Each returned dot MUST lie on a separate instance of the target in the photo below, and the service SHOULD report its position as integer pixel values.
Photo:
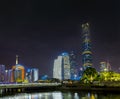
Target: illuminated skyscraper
(8, 76)
(2, 73)
(73, 66)
(18, 72)
(86, 46)
(105, 66)
(61, 68)
(57, 69)
(28, 75)
(66, 66)
(34, 74)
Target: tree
(110, 76)
(89, 74)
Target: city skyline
(39, 31)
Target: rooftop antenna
(16, 59)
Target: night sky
(40, 30)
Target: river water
(62, 95)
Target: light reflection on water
(62, 95)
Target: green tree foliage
(109, 76)
(89, 75)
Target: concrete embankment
(90, 87)
(58, 87)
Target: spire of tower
(16, 59)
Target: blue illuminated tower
(86, 46)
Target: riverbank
(78, 87)
(59, 87)
(90, 88)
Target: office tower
(57, 69)
(61, 68)
(34, 74)
(10, 72)
(73, 66)
(105, 66)
(86, 46)
(2, 73)
(66, 66)
(18, 72)
(28, 75)
(8, 76)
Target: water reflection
(62, 95)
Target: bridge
(27, 86)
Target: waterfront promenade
(22, 85)
(5, 88)
(29, 87)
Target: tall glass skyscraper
(66, 66)
(8, 76)
(61, 68)
(57, 68)
(103, 66)
(73, 66)
(86, 46)
(32, 74)
(18, 72)
(35, 74)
